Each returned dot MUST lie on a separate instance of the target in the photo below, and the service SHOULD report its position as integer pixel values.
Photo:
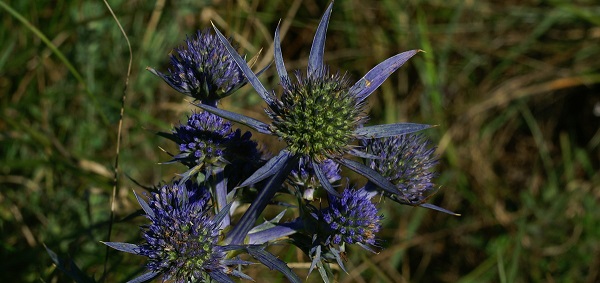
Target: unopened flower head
(407, 161)
(316, 115)
(203, 69)
(352, 218)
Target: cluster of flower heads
(196, 234)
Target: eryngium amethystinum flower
(319, 116)
(181, 241)
(207, 142)
(203, 69)
(407, 161)
(352, 219)
(202, 140)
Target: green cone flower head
(316, 115)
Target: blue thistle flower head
(352, 219)
(182, 239)
(181, 242)
(407, 161)
(206, 141)
(202, 140)
(203, 69)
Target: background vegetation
(513, 85)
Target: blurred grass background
(513, 85)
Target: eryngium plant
(198, 232)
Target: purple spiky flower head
(352, 219)
(207, 142)
(202, 140)
(181, 242)
(203, 69)
(407, 161)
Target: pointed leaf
(250, 76)
(162, 76)
(240, 274)
(144, 205)
(144, 277)
(263, 70)
(236, 261)
(324, 271)
(315, 59)
(124, 247)
(271, 167)
(254, 59)
(362, 154)
(221, 215)
(367, 248)
(372, 175)
(238, 118)
(169, 136)
(220, 276)
(440, 209)
(336, 254)
(265, 195)
(315, 253)
(240, 85)
(389, 130)
(69, 268)
(273, 233)
(190, 173)
(376, 76)
(279, 58)
(323, 180)
(273, 262)
(268, 223)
